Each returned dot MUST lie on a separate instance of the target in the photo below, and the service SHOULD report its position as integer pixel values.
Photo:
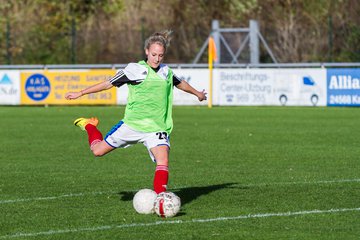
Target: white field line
(300, 183)
(151, 224)
(52, 197)
(70, 195)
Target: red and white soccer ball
(143, 201)
(167, 204)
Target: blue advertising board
(343, 87)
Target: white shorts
(122, 136)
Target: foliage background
(113, 31)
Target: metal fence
(184, 65)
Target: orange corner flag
(212, 57)
(212, 50)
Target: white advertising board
(121, 95)
(243, 87)
(10, 87)
(198, 79)
(256, 87)
(300, 87)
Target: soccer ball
(167, 204)
(143, 201)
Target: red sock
(161, 178)
(94, 134)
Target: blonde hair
(162, 38)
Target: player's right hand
(72, 95)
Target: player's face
(155, 55)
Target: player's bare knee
(97, 153)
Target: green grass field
(241, 172)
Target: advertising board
(10, 87)
(276, 87)
(49, 87)
(343, 87)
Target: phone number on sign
(344, 99)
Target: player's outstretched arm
(186, 87)
(92, 89)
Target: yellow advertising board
(50, 86)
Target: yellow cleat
(82, 122)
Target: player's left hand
(202, 95)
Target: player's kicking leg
(97, 145)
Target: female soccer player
(148, 113)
